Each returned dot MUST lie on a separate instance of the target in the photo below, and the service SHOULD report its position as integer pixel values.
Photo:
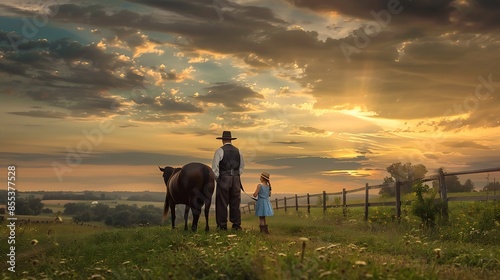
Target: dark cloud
(313, 165)
(220, 10)
(309, 131)
(436, 10)
(67, 74)
(94, 158)
(464, 144)
(170, 104)
(237, 120)
(289, 142)
(140, 158)
(232, 96)
(42, 114)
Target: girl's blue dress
(263, 205)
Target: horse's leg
(196, 216)
(207, 211)
(186, 216)
(172, 211)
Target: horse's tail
(209, 181)
(165, 207)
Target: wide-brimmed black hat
(226, 135)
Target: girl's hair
(268, 183)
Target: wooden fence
(296, 202)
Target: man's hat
(226, 135)
(265, 175)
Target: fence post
(285, 202)
(277, 207)
(296, 203)
(249, 211)
(324, 201)
(344, 202)
(243, 208)
(366, 201)
(308, 204)
(444, 195)
(398, 200)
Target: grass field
(301, 246)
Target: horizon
(323, 95)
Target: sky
(323, 95)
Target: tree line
(406, 173)
(122, 215)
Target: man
(228, 165)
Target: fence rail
(440, 177)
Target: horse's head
(168, 171)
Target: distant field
(58, 205)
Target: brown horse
(192, 185)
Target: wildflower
(96, 276)
(326, 273)
(438, 253)
(231, 235)
(304, 240)
(34, 242)
(282, 254)
(125, 262)
(320, 249)
(360, 263)
(332, 246)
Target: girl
(263, 205)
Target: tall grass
(301, 246)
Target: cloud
(42, 114)
(298, 166)
(464, 144)
(438, 11)
(66, 74)
(106, 158)
(310, 131)
(289, 142)
(232, 96)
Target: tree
(492, 187)
(405, 173)
(31, 206)
(468, 186)
(75, 208)
(453, 184)
(100, 211)
(36, 205)
(319, 200)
